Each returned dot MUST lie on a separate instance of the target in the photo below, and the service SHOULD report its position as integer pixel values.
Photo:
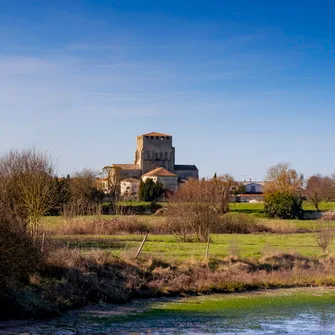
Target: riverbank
(258, 312)
(71, 279)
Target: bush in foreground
(283, 205)
(19, 257)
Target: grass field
(242, 207)
(169, 247)
(259, 207)
(52, 221)
(49, 221)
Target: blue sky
(241, 85)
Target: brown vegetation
(195, 209)
(328, 216)
(70, 279)
(320, 188)
(233, 223)
(83, 197)
(323, 235)
(19, 256)
(229, 223)
(121, 225)
(28, 185)
(282, 178)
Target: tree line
(30, 189)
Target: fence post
(42, 244)
(141, 246)
(207, 248)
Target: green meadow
(170, 247)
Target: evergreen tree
(150, 191)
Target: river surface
(297, 311)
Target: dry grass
(282, 227)
(70, 279)
(239, 223)
(328, 216)
(114, 226)
(230, 223)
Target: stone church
(155, 157)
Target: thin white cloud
(15, 65)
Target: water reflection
(240, 316)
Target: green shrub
(283, 205)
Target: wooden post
(42, 244)
(141, 246)
(207, 248)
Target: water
(272, 312)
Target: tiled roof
(131, 180)
(159, 172)
(186, 167)
(155, 134)
(126, 166)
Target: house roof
(250, 195)
(155, 134)
(186, 167)
(132, 180)
(159, 172)
(254, 182)
(126, 166)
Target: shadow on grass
(247, 211)
(91, 243)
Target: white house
(254, 187)
(129, 186)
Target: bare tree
(113, 176)
(329, 187)
(223, 191)
(323, 235)
(193, 209)
(320, 188)
(28, 185)
(281, 177)
(315, 190)
(85, 198)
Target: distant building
(154, 154)
(254, 187)
(249, 197)
(254, 191)
(129, 186)
(161, 175)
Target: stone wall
(153, 151)
(186, 174)
(169, 182)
